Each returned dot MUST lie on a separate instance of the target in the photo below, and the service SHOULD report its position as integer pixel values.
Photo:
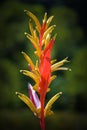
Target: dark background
(70, 17)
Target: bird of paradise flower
(41, 72)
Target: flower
(33, 102)
(34, 97)
(41, 72)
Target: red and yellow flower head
(41, 72)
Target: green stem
(42, 120)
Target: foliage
(76, 85)
(9, 82)
(69, 34)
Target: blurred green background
(71, 28)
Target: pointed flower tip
(67, 59)
(60, 93)
(69, 69)
(25, 33)
(16, 93)
(29, 86)
(21, 70)
(55, 36)
(25, 11)
(45, 13)
(54, 26)
(45, 17)
(22, 52)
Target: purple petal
(33, 96)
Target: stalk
(42, 120)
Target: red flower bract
(45, 68)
